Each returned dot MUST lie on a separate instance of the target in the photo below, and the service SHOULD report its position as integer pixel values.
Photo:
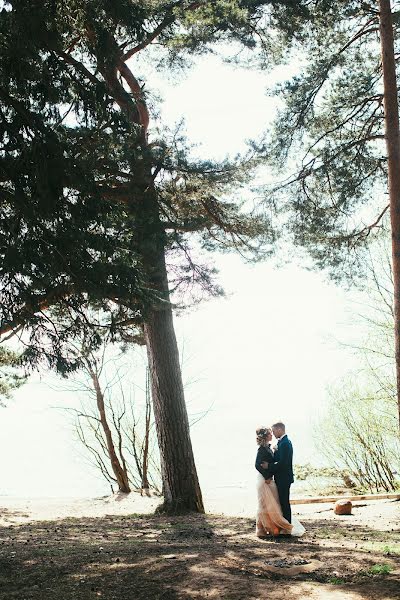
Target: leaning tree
(99, 203)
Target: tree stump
(343, 507)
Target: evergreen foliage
(98, 204)
(331, 133)
(10, 375)
(77, 157)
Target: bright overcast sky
(266, 352)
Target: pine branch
(35, 305)
(169, 19)
(29, 117)
(137, 93)
(312, 96)
(80, 67)
(362, 233)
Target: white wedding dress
(270, 520)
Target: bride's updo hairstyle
(262, 434)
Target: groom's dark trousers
(284, 492)
(282, 469)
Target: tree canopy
(76, 140)
(331, 133)
(102, 209)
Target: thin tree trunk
(119, 472)
(393, 154)
(145, 481)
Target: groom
(282, 468)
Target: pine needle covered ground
(202, 556)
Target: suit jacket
(264, 454)
(282, 467)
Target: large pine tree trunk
(180, 483)
(393, 155)
(181, 487)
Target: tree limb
(168, 20)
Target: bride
(270, 520)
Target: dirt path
(124, 557)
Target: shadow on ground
(157, 557)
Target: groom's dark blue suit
(282, 470)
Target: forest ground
(109, 554)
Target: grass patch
(379, 570)
(335, 581)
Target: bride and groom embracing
(275, 476)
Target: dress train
(270, 520)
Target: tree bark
(181, 487)
(120, 473)
(393, 154)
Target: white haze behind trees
(263, 353)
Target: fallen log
(321, 499)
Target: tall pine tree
(332, 132)
(94, 200)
